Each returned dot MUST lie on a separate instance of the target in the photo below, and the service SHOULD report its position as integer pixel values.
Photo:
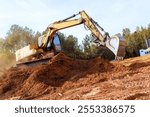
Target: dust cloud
(6, 61)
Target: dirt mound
(67, 78)
(42, 79)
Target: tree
(136, 41)
(70, 46)
(87, 45)
(126, 32)
(91, 50)
(18, 37)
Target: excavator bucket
(117, 45)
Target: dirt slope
(66, 78)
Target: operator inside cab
(55, 44)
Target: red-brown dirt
(67, 78)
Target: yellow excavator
(50, 44)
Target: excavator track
(34, 62)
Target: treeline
(18, 37)
(136, 40)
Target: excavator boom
(66, 23)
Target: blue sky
(112, 15)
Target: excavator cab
(57, 43)
(54, 44)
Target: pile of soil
(67, 78)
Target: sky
(112, 15)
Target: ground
(65, 78)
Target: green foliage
(6, 58)
(18, 37)
(126, 31)
(91, 50)
(89, 47)
(136, 41)
(70, 45)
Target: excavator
(50, 44)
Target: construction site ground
(65, 78)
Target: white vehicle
(145, 51)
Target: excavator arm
(53, 28)
(112, 44)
